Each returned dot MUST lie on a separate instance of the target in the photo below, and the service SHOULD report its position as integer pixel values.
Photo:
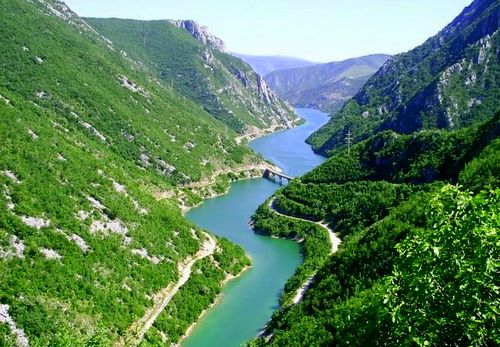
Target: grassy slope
(73, 135)
(198, 71)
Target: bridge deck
(270, 172)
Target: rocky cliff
(187, 56)
(200, 33)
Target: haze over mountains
(266, 64)
(325, 86)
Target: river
(248, 301)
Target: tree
(444, 289)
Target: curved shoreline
(258, 170)
(140, 327)
(228, 278)
(334, 240)
(254, 171)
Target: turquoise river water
(248, 301)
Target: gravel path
(140, 327)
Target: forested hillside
(415, 201)
(89, 136)
(449, 82)
(187, 56)
(325, 86)
(410, 243)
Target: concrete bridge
(277, 176)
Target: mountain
(416, 213)
(448, 82)
(96, 156)
(185, 55)
(266, 64)
(410, 240)
(326, 86)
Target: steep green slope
(185, 55)
(419, 257)
(410, 243)
(450, 81)
(264, 65)
(326, 86)
(88, 136)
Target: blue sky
(317, 30)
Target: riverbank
(228, 278)
(334, 240)
(202, 189)
(205, 188)
(210, 187)
(252, 132)
(161, 299)
(253, 296)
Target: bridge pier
(275, 176)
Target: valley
(325, 86)
(247, 302)
(133, 207)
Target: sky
(316, 30)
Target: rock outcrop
(448, 82)
(192, 60)
(200, 33)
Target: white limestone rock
(50, 254)
(33, 135)
(5, 318)
(5, 100)
(200, 33)
(96, 203)
(143, 253)
(80, 242)
(94, 130)
(34, 222)
(12, 176)
(14, 250)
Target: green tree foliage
(444, 289)
(375, 199)
(87, 137)
(200, 291)
(224, 85)
(438, 247)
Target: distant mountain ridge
(326, 86)
(191, 59)
(264, 65)
(449, 81)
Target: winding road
(334, 240)
(161, 299)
